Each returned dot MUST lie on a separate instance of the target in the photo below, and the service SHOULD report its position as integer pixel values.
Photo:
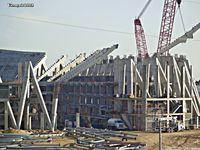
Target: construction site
(142, 90)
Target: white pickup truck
(116, 124)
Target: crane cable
(144, 9)
(183, 24)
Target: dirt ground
(184, 140)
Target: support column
(42, 121)
(130, 78)
(168, 91)
(124, 81)
(145, 77)
(5, 116)
(183, 95)
(29, 124)
(77, 120)
(26, 116)
(156, 81)
(54, 111)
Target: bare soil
(184, 140)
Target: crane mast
(167, 23)
(140, 39)
(140, 36)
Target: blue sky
(116, 15)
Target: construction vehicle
(168, 124)
(116, 124)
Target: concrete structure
(137, 93)
(97, 88)
(20, 92)
(17, 73)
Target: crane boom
(166, 24)
(140, 39)
(140, 36)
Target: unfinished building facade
(139, 93)
(98, 88)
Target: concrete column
(54, 111)
(183, 94)
(26, 116)
(5, 116)
(77, 120)
(183, 82)
(145, 77)
(168, 91)
(191, 80)
(129, 72)
(42, 121)
(124, 81)
(120, 78)
(30, 123)
(156, 81)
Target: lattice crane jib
(141, 44)
(167, 23)
(140, 39)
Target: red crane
(165, 30)
(167, 23)
(140, 39)
(140, 36)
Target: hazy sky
(36, 33)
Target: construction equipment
(165, 30)
(167, 23)
(140, 36)
(168, 124)
(116, 123)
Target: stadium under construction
(97, 87)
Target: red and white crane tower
(167, 23)
(140, 36)
(165, 30)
